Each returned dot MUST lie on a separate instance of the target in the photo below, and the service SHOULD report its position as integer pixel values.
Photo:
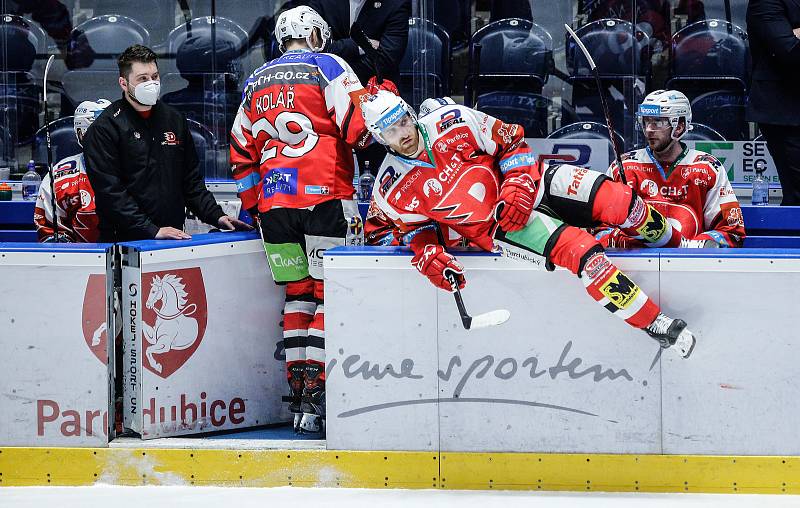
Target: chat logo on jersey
(174, 318)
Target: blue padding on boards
(771, 219)
(17, 212)
(54, 247)
(17, 235)
(204, 239)
(772, 242)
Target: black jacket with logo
(144, 172)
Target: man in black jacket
(142, 163)
(385, 22)
(774, 30)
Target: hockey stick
(50, 152)
(491, 318)
(609, 124)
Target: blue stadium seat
(618, 48)
(194, 51)
(508, 55)
(723, 111)
(527, 109)
(425, 68)
(62, 139)
(700, 132)
(20, 41)
(587, 130)
(157, 15)
(710, 54)
(109, 35)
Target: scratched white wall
(562, 375)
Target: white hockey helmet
(670, 104)
(433, 104)
(299, 23)
(86, 113)
(383, 110)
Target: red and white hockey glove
(388, 85)
(436, 264)
(517, 196)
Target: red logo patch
(174, 318)
(93, 317)
(170, 139)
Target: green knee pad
(287, 261)
(535, 234)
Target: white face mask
(147, 93)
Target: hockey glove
(388, 85)
(517, 196)
(615, 239)
(436, 264)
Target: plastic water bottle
(30, 183)
(760, 190)
(365, 183)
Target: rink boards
(562, 397)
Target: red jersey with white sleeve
(292, 139)
(694, 194)
(456, 180)
(75, 205)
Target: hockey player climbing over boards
(475, 174)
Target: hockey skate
(671, 332)
(313, 403)
(296, 380)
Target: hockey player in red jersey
(689, 187)
(475, 173)
(292, 159)
(75, 206)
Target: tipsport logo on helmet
(391, 117)
(649, 110)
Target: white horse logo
(173, 328)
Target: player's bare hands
(168, 233)
(229, 223)
(796, 32)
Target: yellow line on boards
(398, 469)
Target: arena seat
(622, 55)
(425, 68)
(527, 109)
(193, 49)
(618, 48)
(715, 9)
(709, 55)
(62, 139)
(508, 55)
(700, 132)
(157, 15)
(587, 130)
(109, 35)
(724, 111)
